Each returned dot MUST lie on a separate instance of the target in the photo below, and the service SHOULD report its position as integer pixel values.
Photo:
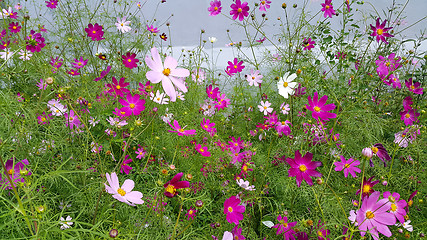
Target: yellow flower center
(205, 126)
(319, 233)
(346, 165)
(262, 2)
(391, 199)
(71, 119)
(230, 209)
(121, 24)
(93, 31)
(235, 66)
(370, 215)
(171, 189)
(285, 84)
(43, 119)
(121, 192)
(327, 7)
(387, 64)
(118, 87)
(10, 171)
(374, 149)
(239, 10)
(380, 31)
(317, 109)
(393, 207)
(166, 71)
(129, 60)
(265, 107)
(131, 105)
(253, 78)
(245, 168)
(366, 188)
(302, 168)
(14, 27)
(216, 8)
(407, 115)
(181, 130)
(412, 87)
(190, 212)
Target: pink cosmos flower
(123, 193)
(319, 109)
(95, 32)
(212, 92)
(15, 170)
(43, 118)
(285, 108)
(191, 213)
(56, 63)
(239, 10)
(264, 4)
(349, 166)
(321, 232)
(254, 78)
(373, 216)
(35, 42)
(407, 103)
(72, 120)
(409, 116)
(265, 108)
(140, 153)
(203, 150)
(79, 63)
(14, 27)
(167, 73)
(397, 207)
(367, 187)
(222, 102)
(152, 29)
(180, 130)
(303, 168)
(283, 128)
(208, 126)
(234, 210)
(119, 88)
(235, 66)
(328, 9)
(380, 31)
(174, 184)
(394, 81)
(285, 227)
(130, 60)
(133, 105)
(215, 8)
(236, 234)
(51, 4)
(414, 87)
(125, 167)
(387, 65)
(308, 44)
(73, 72)
(103, 74)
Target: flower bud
(49, 80)
(367, 152)
(113, 233)
(284, 5)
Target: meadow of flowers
(313, 132)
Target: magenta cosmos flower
(130, 60)
(414, 87)
(233, 210)
(239, 10)
(174, 184)
(264, 5)
(349, 166)
(285, 227)
(373, 216)
(16, 171)
(133, 105)
(397, 207)
(303, 168)
(328, 9)
(203, 150)
(79, 63)
(51, 4)
(212, 92)
(235, 67)
(180, 130)
(409, 116)
(208, 126)
(308, 44)
(367, 187)
(166, 73)
(152, 29)
(215, 8)
(119, 88)
(379, 150)
(125, 167)
(191, 213)
(14, 27)
(72, 120)
(95, 32)
(222, 101)
(123, 193)
(380, 31)
(319, 108)
(103, 74)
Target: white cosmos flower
(66, 223)
(122, 25)
(286, 86)
(245, 184)
(212, 39)
(159, 98)
(265, 107)
(6, 54)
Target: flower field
(305, 125)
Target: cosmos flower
(233, 210)
(308, 44)
(373, 216)
(52, 4)
(285, 108)
(71, 120)
(222, 101)
(397, 207)
(285, 227)
(409, 116)
(159, 98)
(133, 105)
(203, 150)
(328, 9)
(65, 223)
(174, 184)
(264, 5)
(367, 187)
(73, 72)
(245, 185)
(191, 213)
(380, 31)
(286, 86)
(103, 74)
(349, 166)
(16, 171)
(414, 87)
(265, 107)
(123, 193)
(167, 73)
(212, 92)
(303, 168)
(180, 130)
(95, 32)
(240, 10)
(319, 109)
(235, 66)
(79, 63)
(122, 25)
(118, 87)
(14, 27)
(130, 60)
(152, 29)
(208, 126)
(215, 8)
(125, 167)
